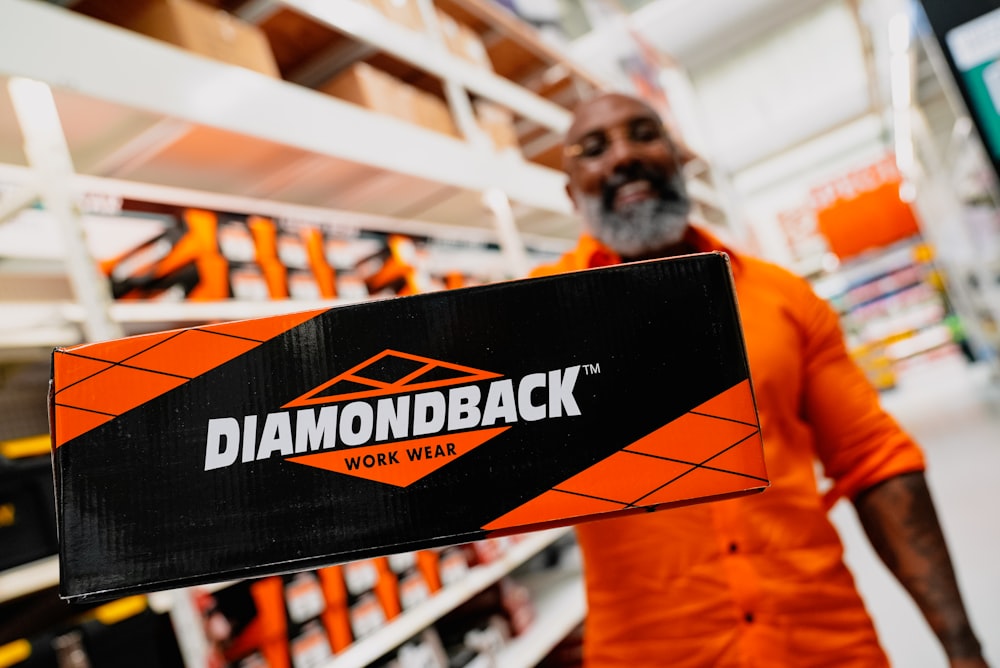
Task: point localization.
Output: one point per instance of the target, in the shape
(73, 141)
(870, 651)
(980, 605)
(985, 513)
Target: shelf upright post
(457, 95)
(495, 199)
(48, 154)
(511, 244)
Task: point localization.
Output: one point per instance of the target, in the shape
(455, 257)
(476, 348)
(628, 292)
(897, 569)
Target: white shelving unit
(276, 149)
(282, 149)
(179, 129)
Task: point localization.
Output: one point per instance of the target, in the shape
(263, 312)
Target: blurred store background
(166, 163)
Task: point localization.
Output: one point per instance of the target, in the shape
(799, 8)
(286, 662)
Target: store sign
(862, 210)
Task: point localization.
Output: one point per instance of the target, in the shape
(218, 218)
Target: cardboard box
(433, 113)
(498, 124)
(463, 41)
(370, 87)
(292, 442)
(381, 92)
(192, 25)
(403, 12)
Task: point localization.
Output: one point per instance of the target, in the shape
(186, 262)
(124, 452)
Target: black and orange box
(293, 442)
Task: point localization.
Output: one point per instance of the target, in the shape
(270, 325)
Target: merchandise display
(893, 307)
(179, 241)
(303, 409)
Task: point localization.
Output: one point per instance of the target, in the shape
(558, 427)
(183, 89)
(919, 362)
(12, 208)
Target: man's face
(625, 177)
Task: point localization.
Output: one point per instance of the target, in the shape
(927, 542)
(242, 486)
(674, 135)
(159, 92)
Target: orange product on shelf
(397, 271)
(387, 588)
(326, 277)
(268, 631)
(428, 562)
(187, 257)
(265, 239)
(335, 618)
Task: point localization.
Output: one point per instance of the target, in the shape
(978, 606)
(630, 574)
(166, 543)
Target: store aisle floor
(953, 409)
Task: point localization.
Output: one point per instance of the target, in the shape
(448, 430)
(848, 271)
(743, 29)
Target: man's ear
(569, 193)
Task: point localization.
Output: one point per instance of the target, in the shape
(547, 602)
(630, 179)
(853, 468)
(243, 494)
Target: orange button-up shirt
(760, 580)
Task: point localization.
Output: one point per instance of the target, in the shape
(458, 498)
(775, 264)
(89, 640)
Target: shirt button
(748, 618)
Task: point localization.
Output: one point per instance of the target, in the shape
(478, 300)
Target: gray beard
(639, 229)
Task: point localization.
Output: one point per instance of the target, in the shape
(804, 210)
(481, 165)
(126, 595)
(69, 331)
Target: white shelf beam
(348, 221)
(29, 578)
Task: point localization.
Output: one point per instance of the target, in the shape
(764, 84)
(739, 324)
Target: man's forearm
(901, 522)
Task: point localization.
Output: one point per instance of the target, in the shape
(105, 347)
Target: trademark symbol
(591, 369)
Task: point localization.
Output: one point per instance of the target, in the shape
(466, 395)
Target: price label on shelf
(413, 590)
(304, 597)
(360, 576)
(367, 616)
(404, 561)
(453, 566)
(310, 649)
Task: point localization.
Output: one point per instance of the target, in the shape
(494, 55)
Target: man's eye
(644, 131)
(593, 145)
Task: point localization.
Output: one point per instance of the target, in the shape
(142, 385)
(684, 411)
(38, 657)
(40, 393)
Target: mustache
(665, 186)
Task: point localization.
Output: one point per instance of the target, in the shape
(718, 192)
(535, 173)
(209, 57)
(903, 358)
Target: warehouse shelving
(177, 120)
(289, 158)
(179, 129)
(140, 135)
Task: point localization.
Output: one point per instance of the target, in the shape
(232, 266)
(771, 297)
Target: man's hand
(899, 517)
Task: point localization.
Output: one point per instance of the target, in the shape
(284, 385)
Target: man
(756, 581)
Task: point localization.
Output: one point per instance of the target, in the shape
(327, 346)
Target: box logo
(394, 418)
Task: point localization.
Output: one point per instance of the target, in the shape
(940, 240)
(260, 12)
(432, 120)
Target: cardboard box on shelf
(463, 41)
(192, 25)
(403, 12)
(291, 442)
(433, 113)
(372, 88)
(498, 124)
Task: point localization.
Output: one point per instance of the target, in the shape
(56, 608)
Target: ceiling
(766, 76)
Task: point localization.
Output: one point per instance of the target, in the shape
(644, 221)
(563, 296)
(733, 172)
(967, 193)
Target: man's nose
(620, 153)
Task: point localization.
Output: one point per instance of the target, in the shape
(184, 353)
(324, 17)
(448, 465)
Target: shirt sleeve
(858, 443)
